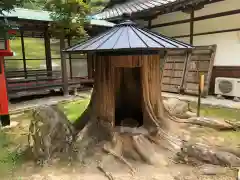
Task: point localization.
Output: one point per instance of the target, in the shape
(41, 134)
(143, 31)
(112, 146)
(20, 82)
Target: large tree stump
(125, 118)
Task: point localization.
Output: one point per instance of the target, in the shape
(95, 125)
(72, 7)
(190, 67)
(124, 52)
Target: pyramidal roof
(127, 36)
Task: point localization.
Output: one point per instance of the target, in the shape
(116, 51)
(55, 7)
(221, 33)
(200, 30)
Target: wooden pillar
(70, 58)
(90, 65)
(191, 26)
(23, 54)
(149, 24)
(64, 67)
(48, 52)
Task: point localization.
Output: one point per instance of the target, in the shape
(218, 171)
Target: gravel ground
(210, 100)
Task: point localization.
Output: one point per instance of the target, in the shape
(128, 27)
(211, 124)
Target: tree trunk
(126, 95)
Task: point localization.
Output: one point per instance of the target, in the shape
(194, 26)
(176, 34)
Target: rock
(176, 106)
(220, 96)
(236, 99)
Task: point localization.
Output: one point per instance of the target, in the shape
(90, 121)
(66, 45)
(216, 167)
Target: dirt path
(209, 100)
(25, 105)
(144, 172)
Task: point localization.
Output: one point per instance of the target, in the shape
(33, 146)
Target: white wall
(170, 17)
(222, 6)
(228, 43)
(174, 30)
(228, 47)
(217, 24)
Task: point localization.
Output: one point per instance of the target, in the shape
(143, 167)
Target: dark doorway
(128, 98)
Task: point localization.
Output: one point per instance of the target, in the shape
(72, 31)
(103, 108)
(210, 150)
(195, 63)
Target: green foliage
(69, 16)
(33, 4)
(7, 5)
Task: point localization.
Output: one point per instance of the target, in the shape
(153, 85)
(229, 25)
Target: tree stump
(126, 88)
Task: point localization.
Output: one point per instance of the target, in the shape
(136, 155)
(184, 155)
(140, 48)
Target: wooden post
(48, 52)
(90, 65)
(200, 89)
(70, 58)
(192, 26)
(23, 54)
(149, 24)
(64, 67)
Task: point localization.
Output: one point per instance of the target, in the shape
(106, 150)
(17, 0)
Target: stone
(236, 99)
(219, 96)
(176, 106)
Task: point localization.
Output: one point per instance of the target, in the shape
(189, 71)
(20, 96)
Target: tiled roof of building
(40, 15)
(132, 6)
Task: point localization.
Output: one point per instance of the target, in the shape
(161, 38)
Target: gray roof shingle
(132, 6)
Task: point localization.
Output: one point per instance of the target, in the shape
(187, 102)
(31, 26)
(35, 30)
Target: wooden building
(198, 22)
(25, 80)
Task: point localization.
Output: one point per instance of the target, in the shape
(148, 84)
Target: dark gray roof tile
(132, 6)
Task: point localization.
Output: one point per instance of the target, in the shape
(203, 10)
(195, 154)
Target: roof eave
(132, 50)
(163, 9)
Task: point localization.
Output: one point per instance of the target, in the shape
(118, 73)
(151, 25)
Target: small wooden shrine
(128, 62)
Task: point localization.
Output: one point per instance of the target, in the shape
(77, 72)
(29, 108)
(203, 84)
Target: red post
(4, 51)
(4, 113)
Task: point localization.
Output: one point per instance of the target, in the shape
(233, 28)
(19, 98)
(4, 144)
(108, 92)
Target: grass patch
(218, 112)
(34, 53)
(9, 159)
(224, 138)
(74, 109)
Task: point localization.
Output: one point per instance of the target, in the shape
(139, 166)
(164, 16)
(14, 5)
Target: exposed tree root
(107, 174)
(121, 158)
(210, 155)
(46, 141)
(212, 123)
(176, 109)
(233, 150)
